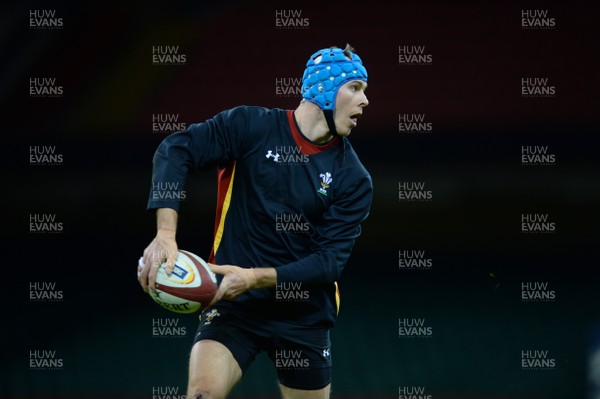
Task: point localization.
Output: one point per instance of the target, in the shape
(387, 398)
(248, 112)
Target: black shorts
(301, 355)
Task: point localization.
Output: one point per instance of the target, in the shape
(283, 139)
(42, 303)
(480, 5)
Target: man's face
(349, 105)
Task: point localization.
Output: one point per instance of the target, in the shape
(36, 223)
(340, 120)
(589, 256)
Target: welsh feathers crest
(325, 181)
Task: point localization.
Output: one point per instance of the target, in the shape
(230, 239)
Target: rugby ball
(190, 287)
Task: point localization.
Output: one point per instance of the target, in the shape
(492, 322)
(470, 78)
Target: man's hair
(348, 50)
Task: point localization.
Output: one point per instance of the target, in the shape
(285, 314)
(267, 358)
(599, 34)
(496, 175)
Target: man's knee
(213, 371)
(203, 393)
(290, 393)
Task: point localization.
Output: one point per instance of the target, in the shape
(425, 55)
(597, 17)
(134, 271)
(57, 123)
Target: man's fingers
(144, 280)
(151, 262)
(170, 264)
(161, 250)
(217, 269)
(212, 267)
(152, 276)
(217, 298)
(221, 288)
(146, 262)
(143, 274)
(140, 267)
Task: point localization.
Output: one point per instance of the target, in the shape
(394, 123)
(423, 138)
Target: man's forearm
(266, 277)
(166, 222)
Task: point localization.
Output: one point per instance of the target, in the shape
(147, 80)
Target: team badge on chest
(325, 182)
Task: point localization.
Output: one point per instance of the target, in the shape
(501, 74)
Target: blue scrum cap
(326, 71)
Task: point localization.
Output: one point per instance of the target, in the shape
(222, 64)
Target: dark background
(471, 296)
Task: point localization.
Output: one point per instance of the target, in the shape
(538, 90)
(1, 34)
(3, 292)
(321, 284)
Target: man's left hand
(236, 281)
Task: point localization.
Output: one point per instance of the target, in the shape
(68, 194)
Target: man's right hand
(162, 249)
